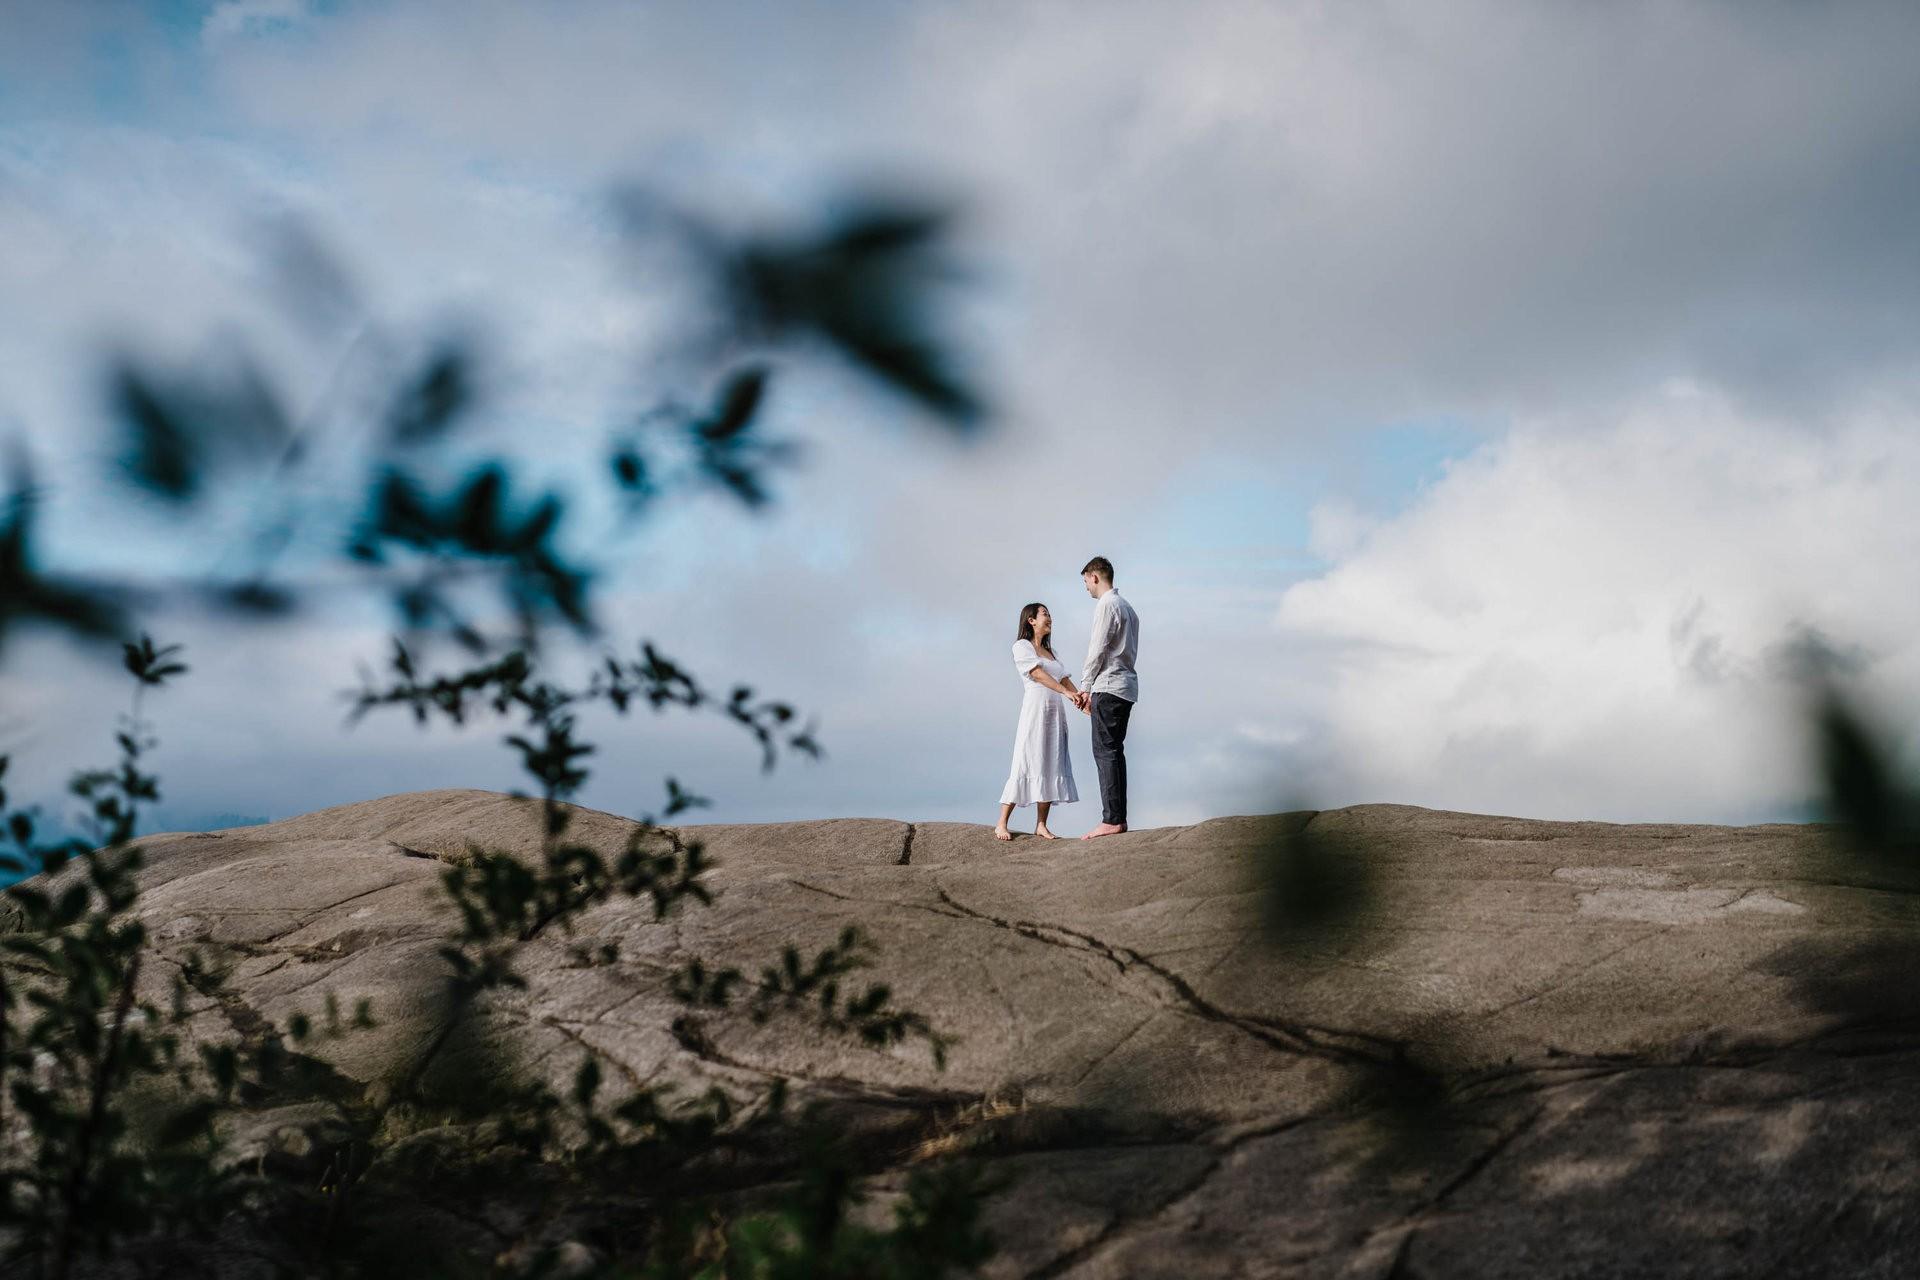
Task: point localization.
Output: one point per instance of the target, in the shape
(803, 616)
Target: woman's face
(1042, 622)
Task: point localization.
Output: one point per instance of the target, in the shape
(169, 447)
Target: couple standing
(1042, 773)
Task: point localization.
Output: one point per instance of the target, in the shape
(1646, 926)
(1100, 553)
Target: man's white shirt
(1116, 641)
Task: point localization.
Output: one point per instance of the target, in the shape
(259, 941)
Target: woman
(1042, 774)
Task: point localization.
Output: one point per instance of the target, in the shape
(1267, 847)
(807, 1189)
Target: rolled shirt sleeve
(1104, 619)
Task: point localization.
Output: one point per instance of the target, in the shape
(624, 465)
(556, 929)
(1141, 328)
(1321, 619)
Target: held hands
(1083, 700)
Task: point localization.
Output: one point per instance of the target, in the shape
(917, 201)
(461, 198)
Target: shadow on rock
(1312, 889)
(1858, 980)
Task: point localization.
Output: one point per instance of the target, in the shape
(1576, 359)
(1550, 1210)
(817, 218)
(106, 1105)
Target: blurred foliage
(108, 1119)
(863, 285)
(935, 1228)
(119, 1124)
(504, 903)
(795, 985)
(433, 520)
(860, 286)
(28, 593)
(1863, 790)
(120, 1114)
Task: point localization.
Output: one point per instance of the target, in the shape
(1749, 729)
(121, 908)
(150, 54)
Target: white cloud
(1236, 231)
(1258, 216)
(231, 19)
(1590, 618)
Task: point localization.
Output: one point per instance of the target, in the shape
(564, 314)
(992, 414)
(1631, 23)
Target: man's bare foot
(1105, 829)
(1001, 833)
(1045, 834)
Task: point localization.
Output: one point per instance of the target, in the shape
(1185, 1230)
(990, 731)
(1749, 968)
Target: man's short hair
(1102, 566)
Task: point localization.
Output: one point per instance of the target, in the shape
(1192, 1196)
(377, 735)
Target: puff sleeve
(1024, 657)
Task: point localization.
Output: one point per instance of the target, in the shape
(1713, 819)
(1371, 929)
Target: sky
(1478, 401)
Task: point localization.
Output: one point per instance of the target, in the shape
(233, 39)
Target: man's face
(1093, 584)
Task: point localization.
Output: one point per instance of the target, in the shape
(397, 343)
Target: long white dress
(1041, 769)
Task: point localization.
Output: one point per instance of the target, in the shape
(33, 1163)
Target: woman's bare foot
(1105, 829)
(1001, 833)
(1044, 834)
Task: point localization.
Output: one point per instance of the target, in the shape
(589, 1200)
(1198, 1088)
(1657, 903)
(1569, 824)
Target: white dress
(1041, 769)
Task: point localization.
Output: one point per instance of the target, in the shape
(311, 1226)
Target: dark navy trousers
(1110, 715)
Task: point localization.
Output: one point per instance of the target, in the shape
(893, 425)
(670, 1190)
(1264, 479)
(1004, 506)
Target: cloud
(230, 19)
(1261, 217)
(1212, 251)
(1590, 618)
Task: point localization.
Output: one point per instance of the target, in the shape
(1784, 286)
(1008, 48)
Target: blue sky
(1475, 399)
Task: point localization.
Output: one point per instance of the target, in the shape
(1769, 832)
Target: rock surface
(1542, 1048)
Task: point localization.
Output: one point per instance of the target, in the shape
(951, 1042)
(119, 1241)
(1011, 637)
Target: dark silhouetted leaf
(863, 287)
(1860, 783)
(432, 402)
(476, 520)
(149, 665)
(630, 469)
(1862, 791)
(166, 454)
(259, 598)
(739, 401)
(24, 593)
(879, 229)
(180, 431)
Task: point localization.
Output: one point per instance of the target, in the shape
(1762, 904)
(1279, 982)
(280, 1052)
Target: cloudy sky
(1476, 399)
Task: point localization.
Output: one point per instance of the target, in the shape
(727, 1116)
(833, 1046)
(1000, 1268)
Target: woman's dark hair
(1026, 626)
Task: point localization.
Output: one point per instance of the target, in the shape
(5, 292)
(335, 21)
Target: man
(1108, 690)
